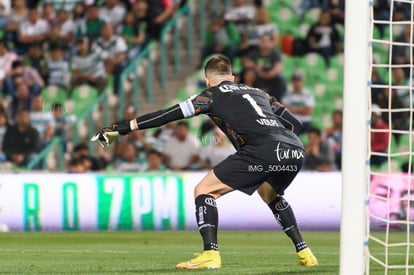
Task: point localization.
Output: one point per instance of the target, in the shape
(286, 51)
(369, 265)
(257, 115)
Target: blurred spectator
(375, 80)
(319, 156)
(140, 9)
(87, 163)
(110, 43)
(19, 13)
(163, 134)
(76, 166)
(323, 37)
(29, 76)
(62, 123)
(142, 144)
(112, 12)
(91, 163)
(396, 118)
(90, 26)
(42, 120)
(240, 14)
(379, 136)
(3, 128)
(88, 66)
(333, 136)
(58, 69)
(36, 59)
(130, 112)
(32, 30)
(67, 26)
(5, 10)
(247, 76)
(260, 26)
(218, 150)
(399, 81)
(300, 101)
(133, 32)
(401, 54)
(158, 13)
(260, 9)
(53, 37)
(182, 149)
(22, 100)
(114, 51)
(155, 161)
(337, 10)
(267, 62)
(78, 17)
(21, 140)
(128, 160)
(6, 59)
(222, 37)
(141, 141)
(48, 13)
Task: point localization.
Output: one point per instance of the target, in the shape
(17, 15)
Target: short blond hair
(218, 65)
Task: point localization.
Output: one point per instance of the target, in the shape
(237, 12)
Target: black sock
(286, 218)
(207, 220)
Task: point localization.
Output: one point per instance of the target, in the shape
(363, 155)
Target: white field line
(22, 251)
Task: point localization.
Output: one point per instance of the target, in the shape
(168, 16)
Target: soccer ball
(4, 227)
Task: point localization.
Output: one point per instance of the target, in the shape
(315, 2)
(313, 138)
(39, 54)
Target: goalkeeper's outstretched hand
(109, 134)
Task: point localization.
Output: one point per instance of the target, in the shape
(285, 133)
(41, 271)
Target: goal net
(377, 221)
(390, 188)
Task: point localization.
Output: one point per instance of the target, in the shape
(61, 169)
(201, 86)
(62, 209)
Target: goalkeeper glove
(109, 134)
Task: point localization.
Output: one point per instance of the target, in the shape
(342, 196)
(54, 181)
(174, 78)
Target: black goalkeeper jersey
(245, 114)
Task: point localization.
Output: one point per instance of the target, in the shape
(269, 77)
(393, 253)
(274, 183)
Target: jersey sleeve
(287, 118)
(197, 104)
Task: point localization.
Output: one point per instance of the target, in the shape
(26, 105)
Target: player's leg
(206, 192)
(283, 213)
(285, 216)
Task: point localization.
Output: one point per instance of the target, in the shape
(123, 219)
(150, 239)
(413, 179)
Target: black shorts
(277, 163)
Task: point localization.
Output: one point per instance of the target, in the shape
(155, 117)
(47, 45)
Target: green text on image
(126, 202)
(147, 203)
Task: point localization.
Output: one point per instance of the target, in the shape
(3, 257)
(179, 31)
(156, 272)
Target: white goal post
(377, 223)
(355, 138)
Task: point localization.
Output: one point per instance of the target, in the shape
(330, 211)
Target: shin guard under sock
(286, 218)
(207, 220)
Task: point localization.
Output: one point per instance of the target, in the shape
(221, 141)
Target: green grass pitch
(144, 252)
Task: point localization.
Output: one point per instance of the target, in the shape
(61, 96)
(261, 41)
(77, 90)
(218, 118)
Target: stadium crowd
(64, 44)
(86, 42)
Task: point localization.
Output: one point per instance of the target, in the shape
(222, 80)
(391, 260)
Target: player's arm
(287, 118)
(193, 106)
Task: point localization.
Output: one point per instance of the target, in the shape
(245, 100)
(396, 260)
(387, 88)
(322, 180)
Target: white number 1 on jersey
(253, 102)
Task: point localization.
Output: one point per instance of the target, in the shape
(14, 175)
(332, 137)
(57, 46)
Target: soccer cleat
(207, 259)
(306, 258)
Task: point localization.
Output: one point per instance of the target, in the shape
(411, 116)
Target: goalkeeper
(269, 154)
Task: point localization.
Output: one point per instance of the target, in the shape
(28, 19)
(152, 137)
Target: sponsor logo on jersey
(267, 122)
(228, 88)
(210, 201)
(282, 153)
(281, 205)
